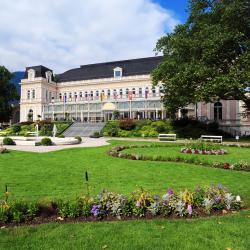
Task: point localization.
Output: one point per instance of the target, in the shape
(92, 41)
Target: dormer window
(49, 76)
(31, 74)
(118, 72)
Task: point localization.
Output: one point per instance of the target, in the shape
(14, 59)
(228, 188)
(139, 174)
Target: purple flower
(96, 210)
(170, 191)
(217, 199)
(189, 209)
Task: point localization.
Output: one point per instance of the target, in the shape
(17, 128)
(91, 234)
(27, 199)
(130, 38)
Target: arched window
(218, 111)
(114, 94)
(91, 95)
(80, 95)
(86, 95)
(127, 90)
(108, 93)
(133, 91)
(153, 91)
(60, 96)
(75, 96)
(28, 94)
(161, 89)
(70, 95)
(97, 93)
(140, 92)
(30, 115)
(121, 93)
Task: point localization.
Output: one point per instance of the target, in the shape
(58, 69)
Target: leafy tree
(8, 93)
(208, 57)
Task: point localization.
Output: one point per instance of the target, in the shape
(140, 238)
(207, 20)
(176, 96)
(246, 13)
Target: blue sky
(179, 7)
(66, 34)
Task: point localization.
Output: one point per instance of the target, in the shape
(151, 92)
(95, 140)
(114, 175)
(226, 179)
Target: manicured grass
(60, 174)
(206, 233)
(234, 155)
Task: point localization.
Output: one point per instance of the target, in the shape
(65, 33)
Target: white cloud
(63, 34)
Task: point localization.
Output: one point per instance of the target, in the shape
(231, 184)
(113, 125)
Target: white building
(92, 92)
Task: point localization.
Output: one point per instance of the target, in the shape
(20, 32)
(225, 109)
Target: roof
(140, 66)
(40, 71)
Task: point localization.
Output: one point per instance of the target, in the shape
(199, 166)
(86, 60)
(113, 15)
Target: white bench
(167, 137)
(217, 138)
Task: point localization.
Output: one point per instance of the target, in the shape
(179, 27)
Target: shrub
(8, 141)
(79, 138)
(212, 126)
(61, 136)
(160, 126)
(127, 124)
(96, 135)
(46, 142)
(16, 128)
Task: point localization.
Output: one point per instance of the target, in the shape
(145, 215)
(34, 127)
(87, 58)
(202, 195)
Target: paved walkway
(87, 142)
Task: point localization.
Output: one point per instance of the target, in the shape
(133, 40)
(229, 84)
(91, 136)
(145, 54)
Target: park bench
(167, 137)
(216, 138)
(31, 133)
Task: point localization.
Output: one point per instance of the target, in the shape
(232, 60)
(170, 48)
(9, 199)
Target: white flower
(238, 199)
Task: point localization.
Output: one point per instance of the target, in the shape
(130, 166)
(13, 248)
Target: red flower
(226, 165)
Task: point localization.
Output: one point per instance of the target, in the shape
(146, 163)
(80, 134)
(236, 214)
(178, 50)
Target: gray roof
(40, 71)
(131, 67)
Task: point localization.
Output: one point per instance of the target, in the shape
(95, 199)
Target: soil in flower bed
(44, 220)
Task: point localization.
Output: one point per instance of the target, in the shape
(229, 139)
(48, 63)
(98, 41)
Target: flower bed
(203, 152)
(117, 152)
(110, 205)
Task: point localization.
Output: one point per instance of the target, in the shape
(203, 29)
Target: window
(140, 92)
(86, 95)
(218, 111)
(121, 93)
(80, 95)
(46, 95)
(97, 94)
(60, 96)
(114, 94)
(108, 93)
(127, 90)
(70, 95)
(133, 91)
(118, 72)
(75, 96)
(31, 74)
(161, 89)
(153, 91)
(91, 95)
(28, 94)
(33, 94)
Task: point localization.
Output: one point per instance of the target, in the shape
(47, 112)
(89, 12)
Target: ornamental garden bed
(203, 151)
(113, 206)
(240, 165)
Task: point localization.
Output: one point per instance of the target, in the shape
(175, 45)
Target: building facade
(91, 93)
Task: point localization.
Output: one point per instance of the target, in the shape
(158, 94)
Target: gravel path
(87, 142)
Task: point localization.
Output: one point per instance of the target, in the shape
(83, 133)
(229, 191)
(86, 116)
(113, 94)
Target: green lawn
(61, 175)
(216, 233)
(234, 155)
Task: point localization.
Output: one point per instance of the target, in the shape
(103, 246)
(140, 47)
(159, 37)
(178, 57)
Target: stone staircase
(83, 129)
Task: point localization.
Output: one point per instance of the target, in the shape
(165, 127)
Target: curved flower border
(117, 152)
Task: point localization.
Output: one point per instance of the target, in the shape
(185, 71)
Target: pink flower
(189, 209)
(138, 204)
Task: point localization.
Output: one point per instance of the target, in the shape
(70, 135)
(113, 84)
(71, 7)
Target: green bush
(160, 126)
(96, 135)
(16, 128)
(61, 136)
(46, 142)
(8, 141)
(79, 138)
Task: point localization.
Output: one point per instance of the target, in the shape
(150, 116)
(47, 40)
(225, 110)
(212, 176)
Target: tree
(8, 93)
(208, 57)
